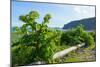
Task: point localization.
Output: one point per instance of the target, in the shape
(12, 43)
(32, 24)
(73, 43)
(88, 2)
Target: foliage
(37, 42)
(76, 36)
(22, 55)
(36, 35)
(73, 36)
(93, 34)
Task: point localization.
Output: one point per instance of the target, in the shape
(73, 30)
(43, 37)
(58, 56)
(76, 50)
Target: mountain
(89, 23)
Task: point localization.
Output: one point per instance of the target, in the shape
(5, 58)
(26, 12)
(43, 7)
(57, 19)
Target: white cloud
(77, 9)
(81, 9)
(88, 11)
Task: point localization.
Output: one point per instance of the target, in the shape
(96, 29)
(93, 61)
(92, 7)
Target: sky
(61, 14)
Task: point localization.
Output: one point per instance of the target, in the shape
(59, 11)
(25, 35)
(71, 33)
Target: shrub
(77, 35)
(89, 41)
(93, 34)
(22, 55)
(72, 36)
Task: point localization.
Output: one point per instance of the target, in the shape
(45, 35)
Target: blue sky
(61, 14)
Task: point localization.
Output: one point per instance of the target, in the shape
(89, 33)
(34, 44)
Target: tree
(36, 35)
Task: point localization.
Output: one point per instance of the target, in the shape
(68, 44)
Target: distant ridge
(89, 23)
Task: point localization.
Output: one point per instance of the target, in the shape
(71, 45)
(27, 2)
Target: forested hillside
(89, 23)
